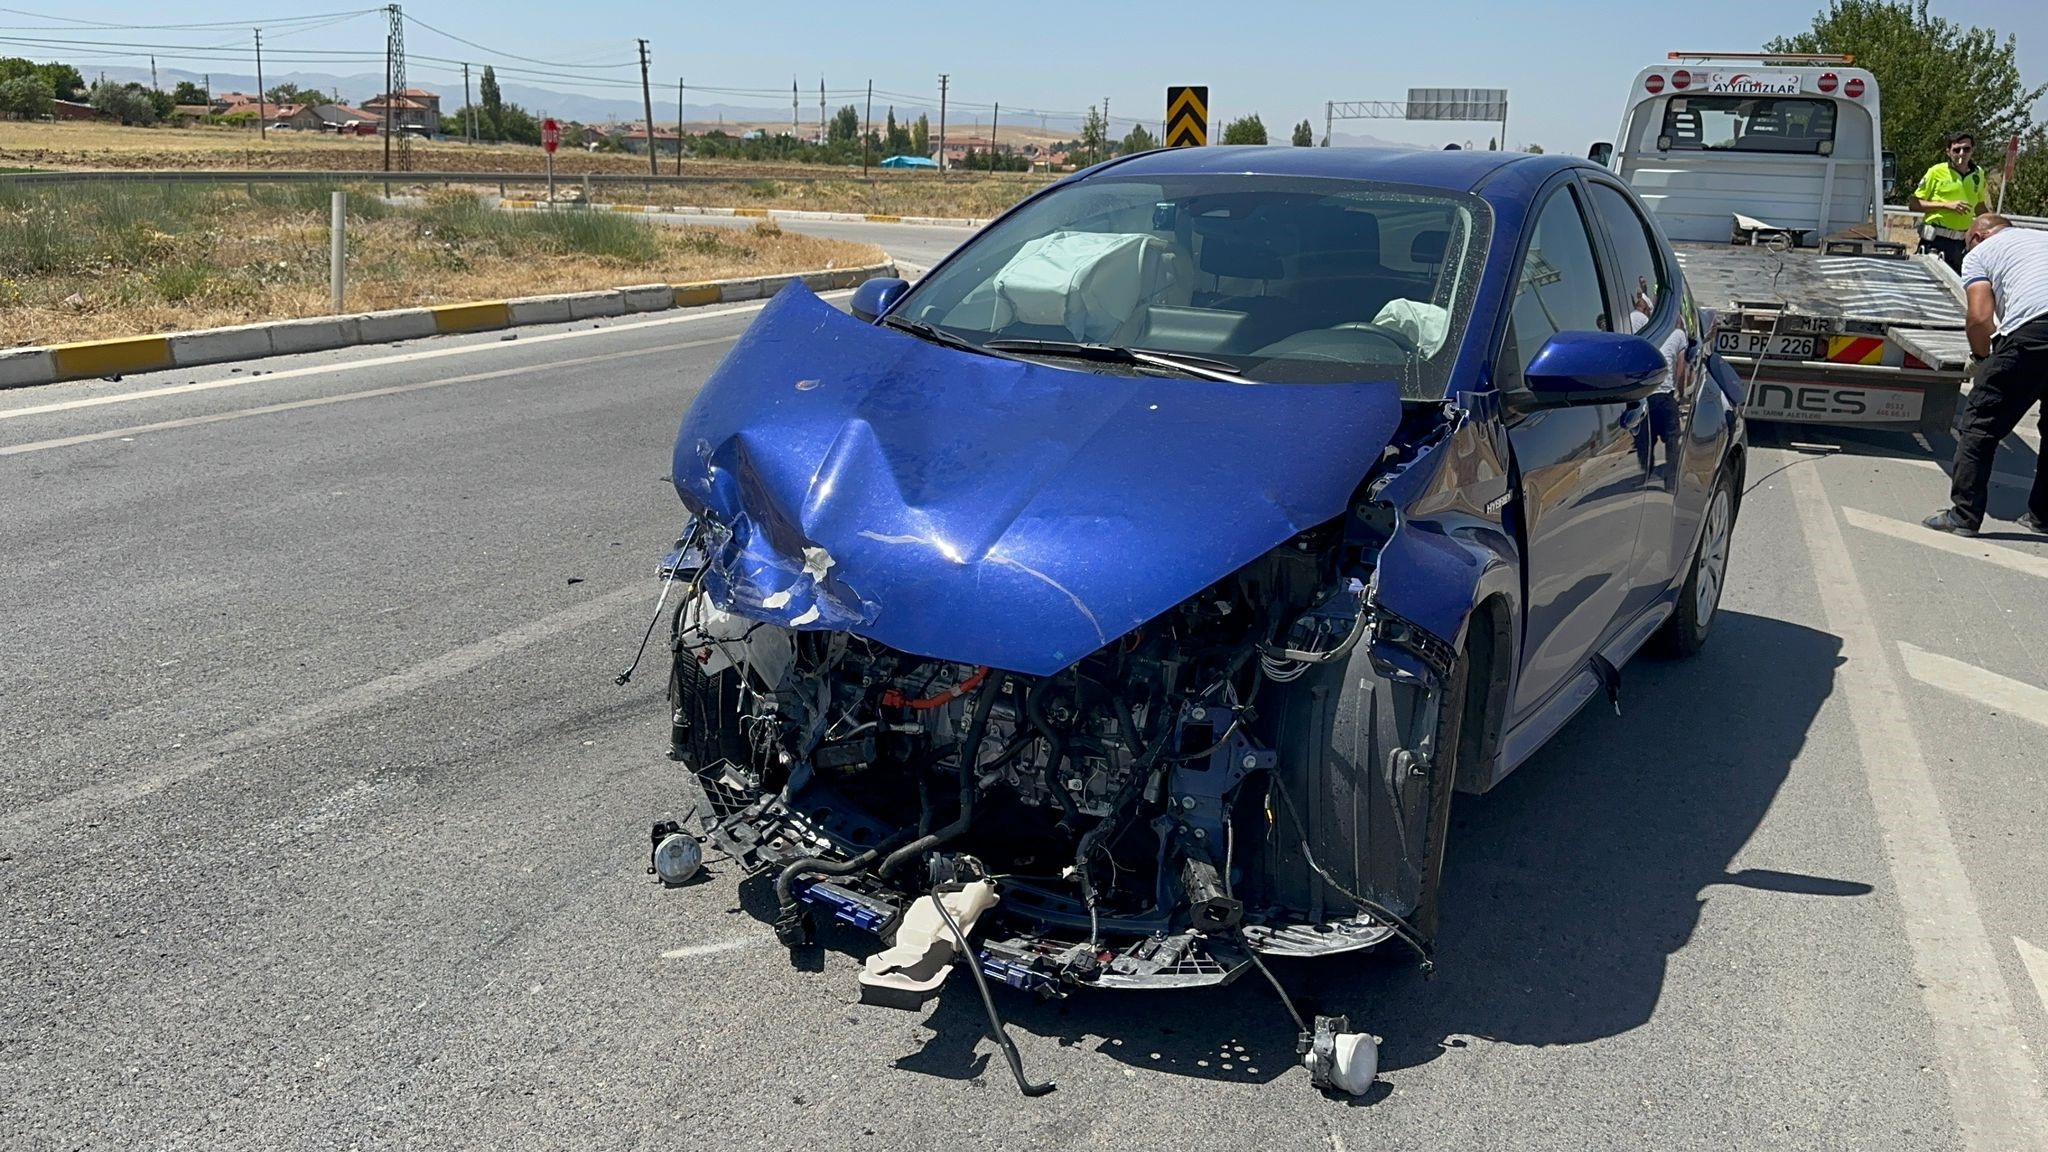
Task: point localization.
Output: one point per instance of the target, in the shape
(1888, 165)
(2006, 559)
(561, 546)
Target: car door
(1646, 276)
(1581, 477)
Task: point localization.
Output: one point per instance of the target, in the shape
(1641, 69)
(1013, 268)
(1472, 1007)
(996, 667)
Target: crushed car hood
(989, 511)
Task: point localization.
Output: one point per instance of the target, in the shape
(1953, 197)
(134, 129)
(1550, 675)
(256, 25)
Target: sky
(1567, 70)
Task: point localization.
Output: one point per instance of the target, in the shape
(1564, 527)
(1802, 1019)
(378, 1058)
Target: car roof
(1455, 171)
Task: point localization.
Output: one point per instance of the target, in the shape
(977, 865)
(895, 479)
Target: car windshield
(1268, 279)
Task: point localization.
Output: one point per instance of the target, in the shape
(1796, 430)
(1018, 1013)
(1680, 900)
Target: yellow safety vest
(1942, 184)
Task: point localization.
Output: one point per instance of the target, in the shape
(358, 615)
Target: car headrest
(1224, 255)
(1428, 247)
(1339, 241)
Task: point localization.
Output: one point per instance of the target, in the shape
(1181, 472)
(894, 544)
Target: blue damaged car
(1135, 589)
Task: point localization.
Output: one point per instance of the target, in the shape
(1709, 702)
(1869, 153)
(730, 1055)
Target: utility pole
(821, 111)
(152, 75)
(795, 129)
(679, 125)
(394, 88)
(994, 122)
(208, 77)
(944, 80)
(389, 112)
(468, 109)
(647, 103)
(867, 131)
(1107, 132)
(262, 129)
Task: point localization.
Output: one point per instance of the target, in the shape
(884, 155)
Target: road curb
(518, 205)
(27, 367)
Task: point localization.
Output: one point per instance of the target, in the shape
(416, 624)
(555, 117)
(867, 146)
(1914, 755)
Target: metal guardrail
(273, 176)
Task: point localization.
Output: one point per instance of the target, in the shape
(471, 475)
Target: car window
(1747, 124)
(1636, 254)
(1560, 288)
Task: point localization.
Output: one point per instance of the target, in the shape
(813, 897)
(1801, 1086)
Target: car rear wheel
(1700, 600)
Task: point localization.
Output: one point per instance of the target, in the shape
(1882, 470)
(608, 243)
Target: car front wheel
(1700, 600)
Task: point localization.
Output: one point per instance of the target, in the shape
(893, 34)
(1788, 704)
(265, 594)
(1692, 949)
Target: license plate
(1776, 346)
(1833, 403)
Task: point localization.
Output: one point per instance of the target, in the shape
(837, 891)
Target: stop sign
(550, 134)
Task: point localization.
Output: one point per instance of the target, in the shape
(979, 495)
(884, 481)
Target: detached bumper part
(910, 971)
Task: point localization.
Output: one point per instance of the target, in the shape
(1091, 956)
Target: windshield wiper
(938, 335)
(1117, 354)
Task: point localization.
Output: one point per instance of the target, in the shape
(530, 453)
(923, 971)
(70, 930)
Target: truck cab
(1768, 172)
(1709, 139)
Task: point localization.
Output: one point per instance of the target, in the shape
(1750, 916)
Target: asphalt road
(323, 825)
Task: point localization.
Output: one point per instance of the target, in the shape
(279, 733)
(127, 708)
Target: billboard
(1457, 103)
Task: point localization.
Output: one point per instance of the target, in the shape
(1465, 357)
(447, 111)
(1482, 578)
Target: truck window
(1748, 124)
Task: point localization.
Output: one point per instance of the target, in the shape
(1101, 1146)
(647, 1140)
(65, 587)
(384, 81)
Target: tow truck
(1767, 172)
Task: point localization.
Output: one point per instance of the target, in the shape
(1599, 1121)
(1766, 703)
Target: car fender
(1451, 548)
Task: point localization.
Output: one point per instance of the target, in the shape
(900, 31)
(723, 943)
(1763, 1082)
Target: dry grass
(89, 262)
(926, 194)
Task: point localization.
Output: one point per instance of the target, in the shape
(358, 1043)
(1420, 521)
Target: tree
(2028, 195)
(845, 127)
(895, 137)
(1937, 76)
(64, 80)
(128, 103)
(517, 125)
(492, 107)
(1138, 140)
(189, 93)
(1304, 135)
(1245, 130)
(292, 94)
(921, 135)
(1534, 149)
(28, 97)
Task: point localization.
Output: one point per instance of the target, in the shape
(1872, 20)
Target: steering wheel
(1394, 336)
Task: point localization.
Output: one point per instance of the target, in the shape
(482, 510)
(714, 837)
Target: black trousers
(2011, 380)
(1949, 250)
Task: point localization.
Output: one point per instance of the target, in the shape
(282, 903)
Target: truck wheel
(1700, 600)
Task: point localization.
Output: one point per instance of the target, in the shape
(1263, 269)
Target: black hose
(785, 881)
(996, 1030)
(1034, 710)
(976, 730)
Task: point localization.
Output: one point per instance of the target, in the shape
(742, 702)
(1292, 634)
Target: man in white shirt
(2006, 277)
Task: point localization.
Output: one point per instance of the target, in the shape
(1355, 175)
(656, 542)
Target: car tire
(1706, 577)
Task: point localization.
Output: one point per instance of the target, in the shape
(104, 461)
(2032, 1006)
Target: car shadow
(1567, 888)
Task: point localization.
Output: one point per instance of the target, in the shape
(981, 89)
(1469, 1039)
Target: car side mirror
(877, 296)
(1891, 169)
(1600, 153)
(1594, 368)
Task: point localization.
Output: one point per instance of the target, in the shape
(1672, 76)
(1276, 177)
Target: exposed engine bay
(1133, 811)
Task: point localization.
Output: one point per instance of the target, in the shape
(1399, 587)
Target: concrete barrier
(648, 297)
(26, 367)
(397, 324)
(540, 310)
(20, 367)
(215, 345)
(111, 357)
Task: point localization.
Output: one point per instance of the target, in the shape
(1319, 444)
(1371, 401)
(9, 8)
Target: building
(334, 118)
(666, 140)
(414, 108)
(75, 110)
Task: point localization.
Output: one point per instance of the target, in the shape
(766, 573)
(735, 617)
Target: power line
(75, 22)
(511, 55)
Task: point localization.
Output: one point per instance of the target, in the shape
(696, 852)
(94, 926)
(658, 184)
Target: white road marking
(134, 430)
(2012, 697)
(18, 828)
(688, 951)
(2035, 961)
(1975, 549)
(688, 317)
(2009, 479)
(1994, 1087)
